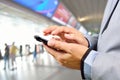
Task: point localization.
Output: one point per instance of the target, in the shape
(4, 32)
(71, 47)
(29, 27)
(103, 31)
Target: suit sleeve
(107, 67)
(92, 41)
(101, 65)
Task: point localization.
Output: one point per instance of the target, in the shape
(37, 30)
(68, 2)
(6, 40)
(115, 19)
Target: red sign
(62, 14)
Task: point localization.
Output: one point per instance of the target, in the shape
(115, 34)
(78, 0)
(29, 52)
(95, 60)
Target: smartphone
(41, 39)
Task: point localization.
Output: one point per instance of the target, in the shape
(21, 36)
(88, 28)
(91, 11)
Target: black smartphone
(40, 39)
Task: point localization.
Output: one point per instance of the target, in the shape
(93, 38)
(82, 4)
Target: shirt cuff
(86, 63)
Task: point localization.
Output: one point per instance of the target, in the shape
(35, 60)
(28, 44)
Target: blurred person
(40, 51)
(20, 52)
(35, 53)
(1, 55)
(98, 58)
(27, 49)
(41, 48)
(38, 48)
(6, 56)
(13, 51)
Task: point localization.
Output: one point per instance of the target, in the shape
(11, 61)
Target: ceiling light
(85, 18)
(82, 19)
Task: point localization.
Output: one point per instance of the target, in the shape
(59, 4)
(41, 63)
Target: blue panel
(44, 7)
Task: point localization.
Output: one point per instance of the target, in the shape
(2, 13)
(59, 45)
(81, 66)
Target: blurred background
(20, 20)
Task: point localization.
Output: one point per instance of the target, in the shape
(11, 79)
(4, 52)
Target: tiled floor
(45, 68)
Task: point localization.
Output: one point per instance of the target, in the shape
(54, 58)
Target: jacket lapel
(108, 10)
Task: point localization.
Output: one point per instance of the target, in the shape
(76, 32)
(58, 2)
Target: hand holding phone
(44, 40)
(41, 39)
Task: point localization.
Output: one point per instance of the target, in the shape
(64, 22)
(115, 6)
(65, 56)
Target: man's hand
(67, 34)
(63, 58)
(67, 54)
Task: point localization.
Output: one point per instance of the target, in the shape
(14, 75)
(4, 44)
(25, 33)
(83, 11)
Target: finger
(60, 45)
(49, 29)
(75, 49)
(56, 54)
(73, 38)
(50, 50)
(76, 38)
(61, 31)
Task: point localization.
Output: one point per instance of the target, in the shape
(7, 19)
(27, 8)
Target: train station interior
(20, 20)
